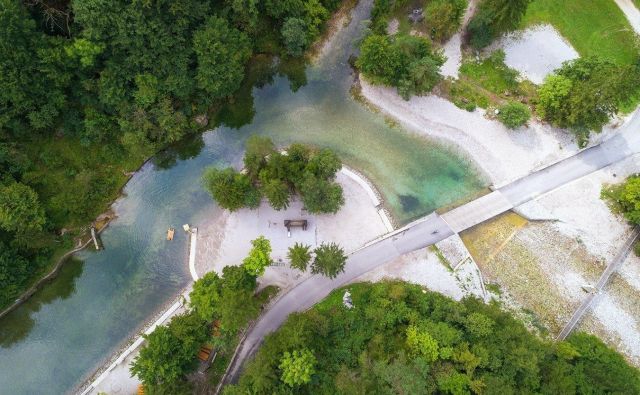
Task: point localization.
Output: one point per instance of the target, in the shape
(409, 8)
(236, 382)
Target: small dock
(94, 237)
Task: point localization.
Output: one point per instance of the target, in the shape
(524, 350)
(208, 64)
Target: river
(63, 333)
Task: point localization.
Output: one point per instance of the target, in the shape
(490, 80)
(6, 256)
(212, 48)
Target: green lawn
(592, 26)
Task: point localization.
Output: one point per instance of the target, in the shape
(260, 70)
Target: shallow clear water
(64, 332)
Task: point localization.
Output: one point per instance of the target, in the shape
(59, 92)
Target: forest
(398, 338)
(89, 90)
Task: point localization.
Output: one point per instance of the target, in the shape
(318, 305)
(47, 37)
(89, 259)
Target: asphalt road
(433, 228)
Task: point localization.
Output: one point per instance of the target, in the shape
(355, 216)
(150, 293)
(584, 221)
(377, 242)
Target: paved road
(604, 278)
(434, 228)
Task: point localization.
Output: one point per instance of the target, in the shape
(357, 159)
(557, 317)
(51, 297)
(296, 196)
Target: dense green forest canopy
(89, 89)
(401, 339)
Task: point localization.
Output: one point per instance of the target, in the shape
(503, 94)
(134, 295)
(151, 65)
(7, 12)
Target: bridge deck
(477, 211)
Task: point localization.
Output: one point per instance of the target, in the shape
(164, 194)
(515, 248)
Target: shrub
(625, 198)
(514, 114)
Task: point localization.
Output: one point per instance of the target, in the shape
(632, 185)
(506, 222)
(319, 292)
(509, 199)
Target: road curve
(433, 228)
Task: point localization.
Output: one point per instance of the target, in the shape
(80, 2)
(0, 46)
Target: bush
(514, 114)
(625, 198)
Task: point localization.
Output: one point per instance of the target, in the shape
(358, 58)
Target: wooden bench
(301, 223)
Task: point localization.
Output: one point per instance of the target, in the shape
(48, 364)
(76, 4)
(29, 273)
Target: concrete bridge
(434, 228)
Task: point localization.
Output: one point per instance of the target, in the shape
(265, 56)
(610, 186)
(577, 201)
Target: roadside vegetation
(277, 175)
(219, 311)
(89, 90)
(328, 259)
(220, 307)
(585, 93)
(624, 198)
(399, 338)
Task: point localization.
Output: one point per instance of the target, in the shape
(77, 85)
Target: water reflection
(17, 324)
(240, 110)
(187, 148)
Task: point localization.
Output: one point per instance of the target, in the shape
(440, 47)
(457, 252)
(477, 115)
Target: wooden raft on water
(170, 233)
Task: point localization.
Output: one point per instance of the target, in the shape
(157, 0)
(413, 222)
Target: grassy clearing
(76, 183)
(486, 83)
(594, 27)
(491, 74)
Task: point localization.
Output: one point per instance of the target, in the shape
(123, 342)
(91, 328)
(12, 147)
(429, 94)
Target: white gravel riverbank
(502, 154)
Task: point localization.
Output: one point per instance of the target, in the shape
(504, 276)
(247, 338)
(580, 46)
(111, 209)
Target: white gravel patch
(535, 52)
(621, 324)
(630, 271)
(423, 267)
(453, 48)
(582, 214)
(392, 27)
(453, 51)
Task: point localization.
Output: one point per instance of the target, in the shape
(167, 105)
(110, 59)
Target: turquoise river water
(60, 336)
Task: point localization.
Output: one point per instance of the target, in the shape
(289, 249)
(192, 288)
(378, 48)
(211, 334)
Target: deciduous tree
(20, 209)
(259, 257)
(232, 190)
(222, 52)
(297, 367)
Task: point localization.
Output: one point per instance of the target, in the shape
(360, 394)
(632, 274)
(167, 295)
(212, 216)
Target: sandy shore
(225, 239)
(502, 154)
